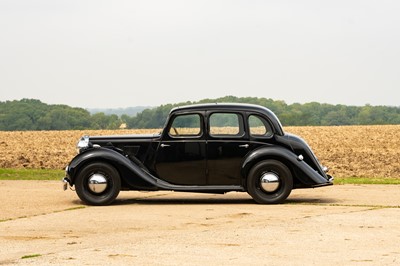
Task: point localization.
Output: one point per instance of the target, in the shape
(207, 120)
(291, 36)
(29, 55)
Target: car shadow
(311, 201)
(182, 201)
(225, 201)
(220, 199)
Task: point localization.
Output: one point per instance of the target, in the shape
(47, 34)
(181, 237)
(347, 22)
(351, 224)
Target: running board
(213, 188)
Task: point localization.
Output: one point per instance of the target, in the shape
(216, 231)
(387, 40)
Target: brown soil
(338, 225)
(357, 151)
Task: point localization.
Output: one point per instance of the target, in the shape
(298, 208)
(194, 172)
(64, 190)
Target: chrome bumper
(65, 181)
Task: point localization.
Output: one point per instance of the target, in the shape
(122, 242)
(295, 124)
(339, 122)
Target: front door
(181, 155)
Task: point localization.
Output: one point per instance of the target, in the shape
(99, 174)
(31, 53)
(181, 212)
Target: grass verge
(30, 174)
(366, 181)
(47, 174)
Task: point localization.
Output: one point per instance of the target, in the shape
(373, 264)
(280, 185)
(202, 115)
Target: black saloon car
(213, 148)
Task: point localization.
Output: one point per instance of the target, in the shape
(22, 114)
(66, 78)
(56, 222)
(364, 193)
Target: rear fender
(300, 169)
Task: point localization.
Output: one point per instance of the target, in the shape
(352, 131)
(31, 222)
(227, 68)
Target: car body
(211, 148)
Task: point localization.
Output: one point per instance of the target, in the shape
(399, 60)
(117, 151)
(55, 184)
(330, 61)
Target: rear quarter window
(259, 127)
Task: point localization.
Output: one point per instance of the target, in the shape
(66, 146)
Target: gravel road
(338, 225)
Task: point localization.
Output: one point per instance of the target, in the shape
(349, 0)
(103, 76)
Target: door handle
(164, 145)
(244, 146)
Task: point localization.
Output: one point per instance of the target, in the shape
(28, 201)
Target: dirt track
(342, 225)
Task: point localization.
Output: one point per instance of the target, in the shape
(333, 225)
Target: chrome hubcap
(97, 183)
(269, 182)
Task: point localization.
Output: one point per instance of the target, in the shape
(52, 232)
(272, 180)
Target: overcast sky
(128, 53)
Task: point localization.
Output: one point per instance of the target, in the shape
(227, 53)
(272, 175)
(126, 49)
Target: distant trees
(309, 114)
(62, 117)
(31, 114)
(150, 118)
(103, 121)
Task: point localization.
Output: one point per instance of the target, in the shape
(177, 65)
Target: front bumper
(65, 182)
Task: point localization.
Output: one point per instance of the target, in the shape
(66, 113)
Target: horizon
(194, 102)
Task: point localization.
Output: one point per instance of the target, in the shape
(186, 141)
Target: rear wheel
(98, 184)
(269, 182)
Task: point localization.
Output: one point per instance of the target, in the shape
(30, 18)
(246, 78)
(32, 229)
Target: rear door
(227, 145)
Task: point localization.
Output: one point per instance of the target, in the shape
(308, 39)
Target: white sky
(128, 53)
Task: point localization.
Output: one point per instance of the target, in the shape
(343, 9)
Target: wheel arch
(249, 165)
(303, 175)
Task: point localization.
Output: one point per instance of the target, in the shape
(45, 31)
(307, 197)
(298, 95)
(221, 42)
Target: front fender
(304, 173)
(129, 171)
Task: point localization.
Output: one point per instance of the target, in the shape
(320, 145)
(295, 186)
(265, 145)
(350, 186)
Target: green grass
(46, 174)
(366, 181)
(31, 256)
(30, 174)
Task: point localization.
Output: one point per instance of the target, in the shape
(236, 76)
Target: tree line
(31, 114)
(308, 114)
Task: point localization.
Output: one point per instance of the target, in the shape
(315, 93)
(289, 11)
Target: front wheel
(269, 182)
(98, 184)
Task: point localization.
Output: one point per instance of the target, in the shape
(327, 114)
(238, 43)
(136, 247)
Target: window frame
(186, 136)
(242, 125)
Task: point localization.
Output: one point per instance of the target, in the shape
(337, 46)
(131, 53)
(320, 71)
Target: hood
(123, 138)
(119, 141)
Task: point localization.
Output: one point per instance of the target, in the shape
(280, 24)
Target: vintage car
(212, 148)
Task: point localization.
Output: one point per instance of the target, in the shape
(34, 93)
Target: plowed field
(356, 151)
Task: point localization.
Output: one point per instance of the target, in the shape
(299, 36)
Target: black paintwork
(202, 163)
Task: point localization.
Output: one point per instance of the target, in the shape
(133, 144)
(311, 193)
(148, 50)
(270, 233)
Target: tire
(275, 191)
(105, 194)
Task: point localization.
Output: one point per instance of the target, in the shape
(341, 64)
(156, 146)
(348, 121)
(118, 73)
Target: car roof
(223, 106)
(234, 107)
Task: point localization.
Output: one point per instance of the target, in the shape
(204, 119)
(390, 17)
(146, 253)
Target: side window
(186, 125)
(226, 124)
(259, 127)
